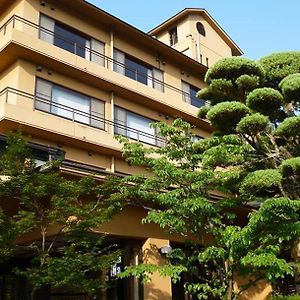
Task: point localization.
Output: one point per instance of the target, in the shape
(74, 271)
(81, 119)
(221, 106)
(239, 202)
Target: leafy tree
(279, 65)
(233, 197)
(52, 219)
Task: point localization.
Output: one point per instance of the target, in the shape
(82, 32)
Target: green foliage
(295, 297)
(290, 167)
(231, 79)
(232, 197)
(260, 182)
(232, 68)
(42, 202)
(225, 116)
(203, 112)
(253, 124)
(290, 86)
(290, 127)
(265, 100)
(279, 65)
(248, 82)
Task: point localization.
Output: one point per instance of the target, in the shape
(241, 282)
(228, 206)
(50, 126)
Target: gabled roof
(236, 50)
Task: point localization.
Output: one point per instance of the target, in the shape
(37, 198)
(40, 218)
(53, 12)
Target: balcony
(25, 34)
(20, 108)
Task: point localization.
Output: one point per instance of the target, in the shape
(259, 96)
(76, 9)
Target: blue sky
(259, 27)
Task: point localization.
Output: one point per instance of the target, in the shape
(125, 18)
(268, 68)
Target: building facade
(72, 76)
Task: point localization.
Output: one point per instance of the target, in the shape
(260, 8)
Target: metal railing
(93, 119)
(15, 20)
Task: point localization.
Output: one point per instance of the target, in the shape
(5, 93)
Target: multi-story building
(72, 76)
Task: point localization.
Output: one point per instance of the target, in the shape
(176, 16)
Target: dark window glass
(173, 36)
(69, 40)
(136, 71)
(200, 28)
(194, 100)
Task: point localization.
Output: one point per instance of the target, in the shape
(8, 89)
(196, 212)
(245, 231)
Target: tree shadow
(260, 291)
(151, 292)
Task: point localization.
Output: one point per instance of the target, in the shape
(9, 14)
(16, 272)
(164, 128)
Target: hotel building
(72, 76)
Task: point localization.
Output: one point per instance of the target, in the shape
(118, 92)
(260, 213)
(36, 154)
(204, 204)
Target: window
(137, 70)
(207, 62)
(40, 153)
(136, 127)
(196, 138)
(69, 104)
(200, 28)
(173, 36)
(71, 40)
(189, 93)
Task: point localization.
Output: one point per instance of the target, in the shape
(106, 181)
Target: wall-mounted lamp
(165, 250)
(182, 72)
(39, 68)
(163, 63)
(43, 3)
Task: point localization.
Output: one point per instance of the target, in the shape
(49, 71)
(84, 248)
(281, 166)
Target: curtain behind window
(70, 104)
(139, 129)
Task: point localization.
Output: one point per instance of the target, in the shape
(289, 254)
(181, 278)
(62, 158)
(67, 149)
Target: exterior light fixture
(165, 250)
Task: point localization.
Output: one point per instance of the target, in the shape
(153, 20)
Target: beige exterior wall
(211, 46)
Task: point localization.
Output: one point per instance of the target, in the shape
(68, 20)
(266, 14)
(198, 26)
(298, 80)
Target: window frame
(158, 141)
(91, 115)
(88, 51)
(121, 67)
(186, 95)
(173, 36)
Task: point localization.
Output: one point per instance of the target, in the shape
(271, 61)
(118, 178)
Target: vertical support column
(112, 167)
(159, 287)
(111, 49)
(112, 113)
(136, 287)
(112, 117)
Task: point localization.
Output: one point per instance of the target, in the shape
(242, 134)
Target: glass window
(189, 95)
(69, 40)
(200, 28)
(139, 129)
(134, 126)
(194, 100)
(173, 36)
(136, 71)
(69, 104)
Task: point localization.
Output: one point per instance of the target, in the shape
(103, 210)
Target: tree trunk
(296, 257)
(230, 283)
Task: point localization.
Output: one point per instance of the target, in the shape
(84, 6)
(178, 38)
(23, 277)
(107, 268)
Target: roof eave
(236, 50)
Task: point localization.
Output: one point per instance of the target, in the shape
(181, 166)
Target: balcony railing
(12, 96)
(19, 23)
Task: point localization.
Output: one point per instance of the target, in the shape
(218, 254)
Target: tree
(238, 190)
(51, 219)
